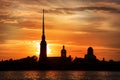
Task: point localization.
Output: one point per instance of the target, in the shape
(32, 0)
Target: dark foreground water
(59, 75)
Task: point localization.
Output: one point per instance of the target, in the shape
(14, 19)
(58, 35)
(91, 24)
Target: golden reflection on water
(59, 75)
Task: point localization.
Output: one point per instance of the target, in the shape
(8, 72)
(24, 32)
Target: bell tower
(63, 52)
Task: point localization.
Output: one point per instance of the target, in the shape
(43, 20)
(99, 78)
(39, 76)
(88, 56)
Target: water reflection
(91, 75)
(59, 75)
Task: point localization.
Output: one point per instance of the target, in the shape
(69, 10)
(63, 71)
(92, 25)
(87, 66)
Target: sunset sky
(77, 24)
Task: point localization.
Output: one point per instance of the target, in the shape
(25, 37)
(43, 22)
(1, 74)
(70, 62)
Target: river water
(59, 75)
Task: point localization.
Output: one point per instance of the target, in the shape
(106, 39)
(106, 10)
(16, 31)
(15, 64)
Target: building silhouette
(43, 44)
(63, 52)
(43, 51)
(90, 55)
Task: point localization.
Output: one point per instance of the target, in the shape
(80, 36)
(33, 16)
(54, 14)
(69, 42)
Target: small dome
(90, 48)
(90, 51)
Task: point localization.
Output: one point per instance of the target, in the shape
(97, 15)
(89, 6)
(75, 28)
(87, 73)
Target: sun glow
(48, 50)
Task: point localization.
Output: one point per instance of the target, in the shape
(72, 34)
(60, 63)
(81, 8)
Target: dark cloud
(71, 10)
(8, 31)
(67, 1)
(114, 1)
(3, 33)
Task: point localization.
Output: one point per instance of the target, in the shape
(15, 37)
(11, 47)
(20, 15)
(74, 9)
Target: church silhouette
(43, 59)
(43, 50)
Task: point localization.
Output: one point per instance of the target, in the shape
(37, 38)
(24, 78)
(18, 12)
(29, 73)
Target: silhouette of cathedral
(90, 55)
(63, 58)
(88, 58)
(43, 50)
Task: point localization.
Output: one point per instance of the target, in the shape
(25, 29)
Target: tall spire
(43, 44)
(43, 23)
(43, 31)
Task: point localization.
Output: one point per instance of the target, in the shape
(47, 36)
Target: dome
(90, 48)
(90, 51)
